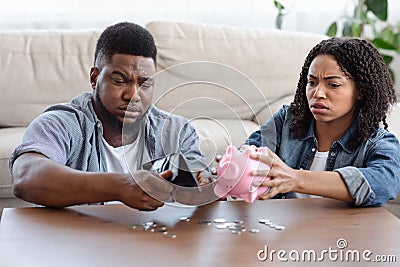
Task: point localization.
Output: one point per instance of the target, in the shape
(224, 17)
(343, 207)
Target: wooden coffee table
(105, 235)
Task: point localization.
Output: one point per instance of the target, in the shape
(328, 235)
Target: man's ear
(94, 73)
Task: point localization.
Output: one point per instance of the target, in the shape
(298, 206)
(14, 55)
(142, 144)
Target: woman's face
(330, 93)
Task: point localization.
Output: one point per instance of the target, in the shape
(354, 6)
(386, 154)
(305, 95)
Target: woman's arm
(284, 179)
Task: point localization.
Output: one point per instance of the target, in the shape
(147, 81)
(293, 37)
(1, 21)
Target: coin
(207, 222)
(170, 235)
(263, 221)
(136, 226)
(236, 232)
(184, 218)
(221, 226)
(237, 227)
(162, 229)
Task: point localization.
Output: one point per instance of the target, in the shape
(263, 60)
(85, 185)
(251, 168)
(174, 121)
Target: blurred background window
(299, 15)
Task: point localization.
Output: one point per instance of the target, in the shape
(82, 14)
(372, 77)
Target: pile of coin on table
(154, 228)
(235, 227)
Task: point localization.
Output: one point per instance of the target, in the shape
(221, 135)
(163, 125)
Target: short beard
(112, 120)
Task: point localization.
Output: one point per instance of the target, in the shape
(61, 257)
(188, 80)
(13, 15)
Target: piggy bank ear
(245, 148)
(231, 149)
(227, 156)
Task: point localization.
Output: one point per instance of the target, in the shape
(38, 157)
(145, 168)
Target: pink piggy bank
(233, 174)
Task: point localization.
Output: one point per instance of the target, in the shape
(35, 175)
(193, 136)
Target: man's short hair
(124, 38)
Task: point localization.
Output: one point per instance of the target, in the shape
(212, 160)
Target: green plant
(281, 13)
(369, 21)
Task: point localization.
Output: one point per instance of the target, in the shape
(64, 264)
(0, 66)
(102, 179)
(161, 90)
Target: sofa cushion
(216, 135)
(272, 59)
(40, 68)
(9, 139)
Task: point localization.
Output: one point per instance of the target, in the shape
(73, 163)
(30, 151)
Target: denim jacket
(371, 171)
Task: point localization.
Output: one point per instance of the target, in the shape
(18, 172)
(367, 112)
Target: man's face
(123, 88)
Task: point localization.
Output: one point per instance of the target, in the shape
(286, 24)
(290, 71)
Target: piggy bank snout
(229, 171)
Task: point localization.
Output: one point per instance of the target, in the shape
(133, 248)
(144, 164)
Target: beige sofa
(226, 80)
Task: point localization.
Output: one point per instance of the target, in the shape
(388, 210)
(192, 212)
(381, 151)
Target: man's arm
(40, 180)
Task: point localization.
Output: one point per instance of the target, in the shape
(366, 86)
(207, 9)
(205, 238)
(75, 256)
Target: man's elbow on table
(24, 170)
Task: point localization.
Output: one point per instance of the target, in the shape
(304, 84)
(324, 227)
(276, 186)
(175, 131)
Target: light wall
(302, 15)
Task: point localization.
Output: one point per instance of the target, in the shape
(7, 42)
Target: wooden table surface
(102, 236)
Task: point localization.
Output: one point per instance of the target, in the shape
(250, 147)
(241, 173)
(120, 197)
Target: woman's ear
(94, 73)
(358, 92)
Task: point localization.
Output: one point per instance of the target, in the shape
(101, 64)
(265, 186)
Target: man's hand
(204, 177)
(146, 190)
(197, 196)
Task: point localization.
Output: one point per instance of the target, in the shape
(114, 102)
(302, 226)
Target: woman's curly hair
(361, 61)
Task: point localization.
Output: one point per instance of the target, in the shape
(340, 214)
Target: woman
(329, 142)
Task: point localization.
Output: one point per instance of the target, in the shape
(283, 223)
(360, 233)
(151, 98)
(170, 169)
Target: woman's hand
(283, 179)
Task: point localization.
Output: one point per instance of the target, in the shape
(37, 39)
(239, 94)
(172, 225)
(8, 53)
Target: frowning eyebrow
(123, 75)
(149, 80)
(327, 77)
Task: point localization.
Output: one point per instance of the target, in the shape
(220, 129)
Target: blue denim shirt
(371, 171)
(71, 133)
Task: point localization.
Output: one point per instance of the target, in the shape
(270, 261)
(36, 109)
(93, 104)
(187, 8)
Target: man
(75, 153)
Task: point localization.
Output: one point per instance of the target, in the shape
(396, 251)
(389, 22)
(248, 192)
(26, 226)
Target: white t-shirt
(319, 161)
(318, 164)
(117, 158)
